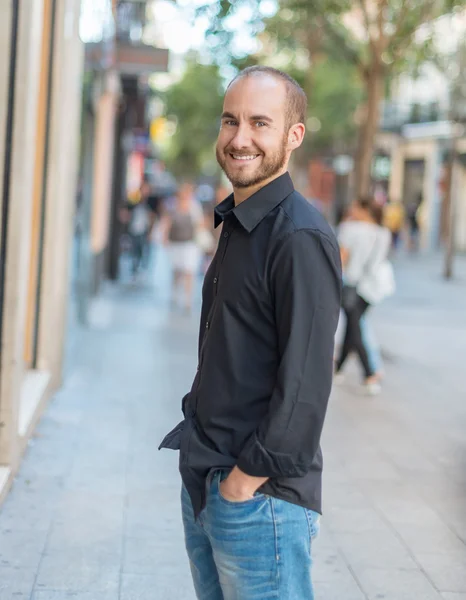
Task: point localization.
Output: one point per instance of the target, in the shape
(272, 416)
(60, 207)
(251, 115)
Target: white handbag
(380, 284)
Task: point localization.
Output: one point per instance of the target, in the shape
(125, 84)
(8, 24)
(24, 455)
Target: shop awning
(140, 59)
(128, 59)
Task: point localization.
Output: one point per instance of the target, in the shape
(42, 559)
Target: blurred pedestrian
(368, 278)
(180, 227)
(383, 280)
(250, 442)
(368, 336)
(413, 215)
(394, 219)
(139, 218)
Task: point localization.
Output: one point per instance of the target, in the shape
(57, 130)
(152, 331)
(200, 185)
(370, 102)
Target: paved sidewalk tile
(94, 513)
(60, 595)
(16, 582)
(392, 584)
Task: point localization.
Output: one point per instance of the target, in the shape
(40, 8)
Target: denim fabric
(258, 549)
(371, 344)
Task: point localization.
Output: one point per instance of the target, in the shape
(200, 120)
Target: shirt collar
(255, 208)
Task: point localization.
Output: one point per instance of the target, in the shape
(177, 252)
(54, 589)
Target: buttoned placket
(223, 246)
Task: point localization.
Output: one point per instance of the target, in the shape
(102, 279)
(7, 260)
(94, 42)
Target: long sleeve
(305, 284)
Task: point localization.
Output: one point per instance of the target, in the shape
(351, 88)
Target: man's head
(262, 123)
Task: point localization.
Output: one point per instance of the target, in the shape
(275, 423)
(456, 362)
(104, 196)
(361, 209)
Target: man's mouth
(244, 157)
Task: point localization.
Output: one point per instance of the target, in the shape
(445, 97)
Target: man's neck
(242, 194)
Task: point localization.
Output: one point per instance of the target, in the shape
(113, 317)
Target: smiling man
(249, 442)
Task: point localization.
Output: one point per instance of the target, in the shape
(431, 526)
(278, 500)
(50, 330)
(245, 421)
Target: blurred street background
(109, 112)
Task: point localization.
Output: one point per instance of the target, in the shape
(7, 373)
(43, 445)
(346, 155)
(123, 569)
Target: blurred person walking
(414, 216)
(368, 278)
(250, 454)
(180, 227)
(369, 338)
(139, 217)
(394, 216)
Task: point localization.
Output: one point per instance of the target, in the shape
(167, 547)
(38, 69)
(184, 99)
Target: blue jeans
(371, 344)
(258, 549)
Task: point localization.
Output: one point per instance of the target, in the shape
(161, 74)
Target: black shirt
(271, 301)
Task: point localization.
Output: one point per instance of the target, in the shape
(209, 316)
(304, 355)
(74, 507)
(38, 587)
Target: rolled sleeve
(305, 283)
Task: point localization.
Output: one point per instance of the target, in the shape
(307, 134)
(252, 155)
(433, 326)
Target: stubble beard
(270, 166)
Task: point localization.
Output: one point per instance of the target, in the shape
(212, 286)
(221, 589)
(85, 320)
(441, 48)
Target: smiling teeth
(236, 157)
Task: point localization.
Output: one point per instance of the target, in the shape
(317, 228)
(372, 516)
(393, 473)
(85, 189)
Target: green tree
(195, 104)
(378, 37)
(334, 93)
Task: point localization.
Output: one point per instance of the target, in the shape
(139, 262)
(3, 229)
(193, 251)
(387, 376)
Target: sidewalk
(94, 513)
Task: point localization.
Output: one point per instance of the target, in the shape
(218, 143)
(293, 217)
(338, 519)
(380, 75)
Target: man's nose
(242, 138)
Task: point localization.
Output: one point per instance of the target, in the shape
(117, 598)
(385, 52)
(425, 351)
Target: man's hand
(239, 487)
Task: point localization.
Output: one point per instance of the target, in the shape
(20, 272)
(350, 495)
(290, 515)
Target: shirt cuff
(257, 461)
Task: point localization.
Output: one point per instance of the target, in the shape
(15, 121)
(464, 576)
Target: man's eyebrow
(262, 118)
(229, 115)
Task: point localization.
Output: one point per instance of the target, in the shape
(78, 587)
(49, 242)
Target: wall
(24, 392)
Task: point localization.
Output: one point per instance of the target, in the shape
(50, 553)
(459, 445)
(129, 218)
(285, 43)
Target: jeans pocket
(313, 519)
(216, 486)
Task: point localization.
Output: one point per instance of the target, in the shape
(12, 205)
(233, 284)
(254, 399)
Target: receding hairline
(296, 98)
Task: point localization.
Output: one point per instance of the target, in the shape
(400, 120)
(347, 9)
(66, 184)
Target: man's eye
(230, 123)
(260, 124)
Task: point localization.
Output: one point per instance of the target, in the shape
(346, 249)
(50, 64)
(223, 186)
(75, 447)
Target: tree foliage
(335, 95)
(379, 38)
(195, 104)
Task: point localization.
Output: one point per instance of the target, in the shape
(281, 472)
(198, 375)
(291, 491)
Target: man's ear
(296, 136)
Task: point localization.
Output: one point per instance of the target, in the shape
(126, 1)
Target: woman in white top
(364, 250)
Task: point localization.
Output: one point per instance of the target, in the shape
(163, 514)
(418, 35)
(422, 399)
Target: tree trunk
(374, 83)
(451, 212)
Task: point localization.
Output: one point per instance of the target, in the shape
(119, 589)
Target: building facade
(40, 103)
(421, 124)
(119, 58)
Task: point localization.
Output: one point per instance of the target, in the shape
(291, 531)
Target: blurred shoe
(339, 378)
(373, 389)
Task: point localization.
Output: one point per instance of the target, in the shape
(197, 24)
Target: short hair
(296, 99)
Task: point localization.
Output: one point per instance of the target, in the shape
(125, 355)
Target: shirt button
(226, 234)
(215, 279)
(207, 325)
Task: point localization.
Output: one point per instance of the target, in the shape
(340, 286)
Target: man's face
(252, 145)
